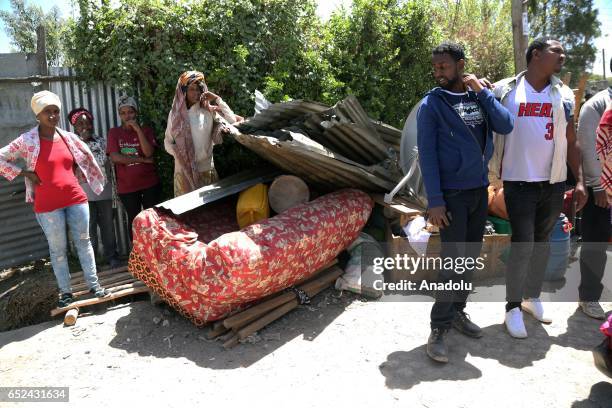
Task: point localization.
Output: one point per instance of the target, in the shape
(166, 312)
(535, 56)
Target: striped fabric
(604, 150)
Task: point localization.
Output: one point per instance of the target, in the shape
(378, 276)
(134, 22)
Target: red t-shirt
(136, 176)
(59, 187)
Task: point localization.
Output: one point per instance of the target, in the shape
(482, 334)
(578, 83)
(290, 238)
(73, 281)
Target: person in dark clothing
(131, 148)
(596, 227)
(100, 206)
(532, 164)
(455, 124)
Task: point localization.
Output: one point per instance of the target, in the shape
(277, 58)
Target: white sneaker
(534, 307)
(515, 324)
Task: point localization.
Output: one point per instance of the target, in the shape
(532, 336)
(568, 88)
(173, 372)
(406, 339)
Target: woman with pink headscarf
(194, 127)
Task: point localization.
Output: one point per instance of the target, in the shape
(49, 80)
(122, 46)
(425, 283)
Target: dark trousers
(534, 208)
(595, 236)
(461, 239)
(101, 215)
(138, 201)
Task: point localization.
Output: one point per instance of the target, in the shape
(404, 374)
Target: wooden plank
(105, 281)
(317, 287)
(95, 301)
(231, 342)
(132, 282)
(216, 330)
(241, 319)
(78, 277)
(398, 205)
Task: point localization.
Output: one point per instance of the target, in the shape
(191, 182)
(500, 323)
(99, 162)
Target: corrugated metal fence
(100, 99)
(21, 238)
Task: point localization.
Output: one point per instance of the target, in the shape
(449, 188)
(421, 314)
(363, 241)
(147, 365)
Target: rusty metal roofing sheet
(279, 114)
(326, 170)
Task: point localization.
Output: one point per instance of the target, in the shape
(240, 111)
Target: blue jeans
(54, 224)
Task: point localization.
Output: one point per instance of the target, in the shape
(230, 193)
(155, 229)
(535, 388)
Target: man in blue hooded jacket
(455, 126)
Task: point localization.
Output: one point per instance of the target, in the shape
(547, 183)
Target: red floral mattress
(206, 271)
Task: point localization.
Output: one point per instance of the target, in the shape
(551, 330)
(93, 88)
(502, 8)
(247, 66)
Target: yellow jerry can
(252, 205)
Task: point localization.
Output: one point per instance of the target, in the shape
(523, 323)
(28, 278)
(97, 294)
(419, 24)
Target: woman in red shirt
(55, 161)
(131, 149)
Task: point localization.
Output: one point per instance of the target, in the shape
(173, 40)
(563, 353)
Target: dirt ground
(339, 351)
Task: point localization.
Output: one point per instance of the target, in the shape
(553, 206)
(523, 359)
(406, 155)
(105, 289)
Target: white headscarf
(42, 99)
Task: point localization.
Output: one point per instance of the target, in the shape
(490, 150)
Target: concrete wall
(15, 113)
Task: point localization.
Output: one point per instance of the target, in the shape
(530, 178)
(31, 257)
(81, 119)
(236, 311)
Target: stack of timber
(237, 327)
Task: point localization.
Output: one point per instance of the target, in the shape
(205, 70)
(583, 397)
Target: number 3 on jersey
(549, 133)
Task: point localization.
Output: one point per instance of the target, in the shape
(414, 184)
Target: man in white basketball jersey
(531, 162)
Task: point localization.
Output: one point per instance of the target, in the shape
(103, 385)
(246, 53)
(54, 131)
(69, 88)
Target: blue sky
(325, 7)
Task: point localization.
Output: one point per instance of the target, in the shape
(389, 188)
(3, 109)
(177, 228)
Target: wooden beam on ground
(95, 301)
(317, 286)
(71, 316)
(241, 319)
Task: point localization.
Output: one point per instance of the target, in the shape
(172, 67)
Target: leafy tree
(484, 28)
(21, 25)
(574, 23)
(380, 51)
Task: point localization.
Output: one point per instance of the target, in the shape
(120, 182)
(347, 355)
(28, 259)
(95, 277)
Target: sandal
(65, 300)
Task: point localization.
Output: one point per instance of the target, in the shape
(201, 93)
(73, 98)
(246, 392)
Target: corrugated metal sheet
(21, 239)
(328, 170)
(216, 191)
(352, 151)
(279, 114)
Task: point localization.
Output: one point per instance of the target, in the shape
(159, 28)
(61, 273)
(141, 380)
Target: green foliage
(21, 25)
(484, 28)
(574, 23)
(381, 53)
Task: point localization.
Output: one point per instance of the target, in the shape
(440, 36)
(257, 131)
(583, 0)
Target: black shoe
(463, 324)
(114, 263)
(436, 348)
(99, 292)
(65, 300)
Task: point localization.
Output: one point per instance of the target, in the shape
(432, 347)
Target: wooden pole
(579, 95)
(519, 37)
(567, 78)
(71, 316)
(41, 50)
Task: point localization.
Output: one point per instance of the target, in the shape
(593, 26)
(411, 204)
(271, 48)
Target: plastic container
(252, 205)
(559, 250)
(501, 226)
